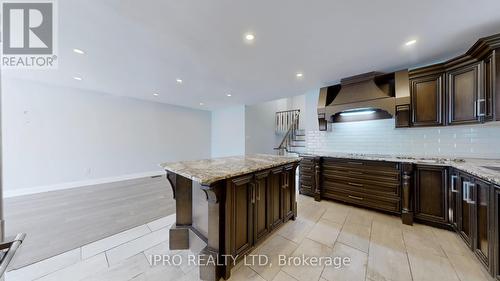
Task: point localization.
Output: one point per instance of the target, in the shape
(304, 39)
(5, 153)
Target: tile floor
(379, 246)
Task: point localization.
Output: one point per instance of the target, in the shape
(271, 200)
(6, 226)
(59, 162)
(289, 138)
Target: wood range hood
(367, 96)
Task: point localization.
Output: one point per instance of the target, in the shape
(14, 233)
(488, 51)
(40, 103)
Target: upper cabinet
(427, 100)
(460, 91)
(465, 95)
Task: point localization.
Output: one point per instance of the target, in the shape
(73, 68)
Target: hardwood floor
(60, 221)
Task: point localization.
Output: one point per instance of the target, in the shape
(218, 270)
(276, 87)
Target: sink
(496, 169)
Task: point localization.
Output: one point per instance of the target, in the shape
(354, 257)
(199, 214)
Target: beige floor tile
(336, 213)
(163, 273)
(451, 242)
(325, 232)
(355, 271)
(136, 246)
(387, 235)
(312, 212)
(125, 270)
(171, 257)
(245, 273)
(356, 236)
(429, 267)
(360, 216)
(282, 276)
(80, 270)
(467, 269)
(421, 238)
(44, 267)
(296, 230)
(308, 248)
(105, 244)
(161, 222)
(386, 262)
(272, 248)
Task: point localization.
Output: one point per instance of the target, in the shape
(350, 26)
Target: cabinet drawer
(306, 169)
(361, 164)
(384, 191)
(306, 178)
(375, 183)
(307, 161)
(364, 200)
(385, 176)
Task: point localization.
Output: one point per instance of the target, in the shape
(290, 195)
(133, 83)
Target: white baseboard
(76, 184)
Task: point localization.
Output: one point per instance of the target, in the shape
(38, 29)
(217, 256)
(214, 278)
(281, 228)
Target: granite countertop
(208, 171)
(472, 166)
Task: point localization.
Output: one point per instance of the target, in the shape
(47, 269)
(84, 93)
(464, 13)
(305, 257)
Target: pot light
(77, 78)
(202, 103)
(229, 95)
(156, 94)
(179, 81)
(79, 51)
(249, 37)
(299, 75)
(357, 112)
(411, 42)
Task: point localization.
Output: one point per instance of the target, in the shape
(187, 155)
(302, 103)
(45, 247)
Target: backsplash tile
(380, 137)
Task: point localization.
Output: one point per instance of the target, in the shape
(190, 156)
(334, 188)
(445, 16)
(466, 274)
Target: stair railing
(290, 119)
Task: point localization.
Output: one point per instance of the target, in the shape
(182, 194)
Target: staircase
(293, 139)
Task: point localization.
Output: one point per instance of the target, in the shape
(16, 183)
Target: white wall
(228, 131)
(58, 137)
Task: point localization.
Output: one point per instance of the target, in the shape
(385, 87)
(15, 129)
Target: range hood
(367, 96)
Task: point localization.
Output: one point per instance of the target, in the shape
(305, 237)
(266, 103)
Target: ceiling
(137, 48)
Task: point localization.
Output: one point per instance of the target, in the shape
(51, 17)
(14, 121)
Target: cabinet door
(288, 193)
(488, 107)
(496, 225)
(275, 198)
(430, 194)
(464, 92)
(466, 209)
(261, 207)
(480, 192)
(454, 200)
(241, 193)
(427, 100)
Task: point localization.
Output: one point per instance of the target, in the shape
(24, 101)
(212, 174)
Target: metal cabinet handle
(480, 111)
(355, 197)
(355, 184)
(453, 182)
(470, 194)
(252, 186)
(465, 191)
(258, 191)
(355, 163)
(355, 173)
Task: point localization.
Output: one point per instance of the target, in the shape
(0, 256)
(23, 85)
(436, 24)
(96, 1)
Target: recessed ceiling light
(249, 37)
(78, 51)
(202, 103)
(229, 95)
(179, 81)
(411, 42)
(156, 94)
(77, 78)
(299, 75)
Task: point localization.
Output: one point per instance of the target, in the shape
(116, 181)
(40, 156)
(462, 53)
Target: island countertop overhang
(209, 171)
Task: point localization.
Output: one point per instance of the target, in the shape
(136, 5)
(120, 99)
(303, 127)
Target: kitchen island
(232, 203)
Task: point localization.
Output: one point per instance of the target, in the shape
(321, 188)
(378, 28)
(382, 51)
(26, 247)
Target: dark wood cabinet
(465, 95)
(454, 199)
(496, 232)
(257, 204)
(307, 175)
(489, 87)
(430, 194)
(288, 193)
(241, 192)
(480, 198)
(427, 100)
(465, 227)
(262, 208)
(402, 117)
(276, 213)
